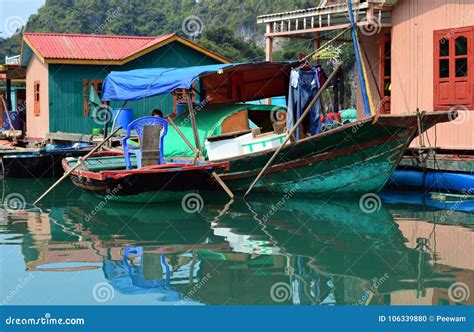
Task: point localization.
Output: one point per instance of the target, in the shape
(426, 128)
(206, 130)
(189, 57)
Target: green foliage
(229, 27)
(225, 42)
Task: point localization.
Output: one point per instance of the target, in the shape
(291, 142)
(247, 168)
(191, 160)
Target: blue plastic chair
(138, 125)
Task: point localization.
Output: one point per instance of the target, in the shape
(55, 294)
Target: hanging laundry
(304, 85)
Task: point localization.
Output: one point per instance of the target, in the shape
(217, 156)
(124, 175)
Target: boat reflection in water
(270, 251)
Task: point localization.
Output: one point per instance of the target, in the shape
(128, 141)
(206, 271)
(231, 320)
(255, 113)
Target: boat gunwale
(154, 169)
(375, 119)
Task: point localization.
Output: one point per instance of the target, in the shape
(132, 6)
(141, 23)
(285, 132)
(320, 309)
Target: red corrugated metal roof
(89, 47)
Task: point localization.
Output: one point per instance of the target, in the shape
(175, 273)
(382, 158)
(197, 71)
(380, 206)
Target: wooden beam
(69, 137)
(292, 34)
(313, 30)
(192, 117)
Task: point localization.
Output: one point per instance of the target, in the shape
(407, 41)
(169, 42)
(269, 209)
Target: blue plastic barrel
(181, 108)
(125, 117)
(430, 180)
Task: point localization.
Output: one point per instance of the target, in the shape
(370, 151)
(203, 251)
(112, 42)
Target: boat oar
(297, 124)
(198, 155)
(79, 163)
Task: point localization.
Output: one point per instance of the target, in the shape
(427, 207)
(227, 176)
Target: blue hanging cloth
(304, 85)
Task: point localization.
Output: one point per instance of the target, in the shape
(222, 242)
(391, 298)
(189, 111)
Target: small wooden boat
(38, 162)
(105, 174)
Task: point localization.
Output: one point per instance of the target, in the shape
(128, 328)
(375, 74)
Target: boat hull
(160, 183)
(353, 159)
(35, 165)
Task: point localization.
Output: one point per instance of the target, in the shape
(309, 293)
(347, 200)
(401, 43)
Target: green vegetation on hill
(228, 27)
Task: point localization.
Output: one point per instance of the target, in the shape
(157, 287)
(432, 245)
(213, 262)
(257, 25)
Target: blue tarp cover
(142, 83)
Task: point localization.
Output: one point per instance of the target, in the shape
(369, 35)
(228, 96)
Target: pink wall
(412, 62)
(37, 126)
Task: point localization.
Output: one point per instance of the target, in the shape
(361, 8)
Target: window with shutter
(453, 78)
(97, 85)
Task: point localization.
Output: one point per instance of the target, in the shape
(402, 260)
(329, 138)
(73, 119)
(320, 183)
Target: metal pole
(305, 113)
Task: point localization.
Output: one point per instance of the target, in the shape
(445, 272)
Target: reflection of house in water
(448, 246)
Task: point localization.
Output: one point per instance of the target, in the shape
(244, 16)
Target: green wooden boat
(352, 159)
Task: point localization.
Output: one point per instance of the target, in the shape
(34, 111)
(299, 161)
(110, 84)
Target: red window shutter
(86, 104)
(36, 96)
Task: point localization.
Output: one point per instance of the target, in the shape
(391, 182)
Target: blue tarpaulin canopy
(222, 83)
(143, 83)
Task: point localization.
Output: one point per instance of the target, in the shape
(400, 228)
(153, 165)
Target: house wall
(37, 126)
(370, 44)
(66, 87)
(412, 63)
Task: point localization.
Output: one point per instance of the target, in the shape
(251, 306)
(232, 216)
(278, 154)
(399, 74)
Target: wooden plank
(150, 145)
(69, 137)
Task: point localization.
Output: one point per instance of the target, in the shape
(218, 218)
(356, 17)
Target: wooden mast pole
(197, 154)
(192, 117)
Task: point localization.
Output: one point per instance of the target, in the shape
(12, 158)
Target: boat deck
(109, 163)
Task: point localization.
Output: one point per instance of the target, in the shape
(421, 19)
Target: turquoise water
(78, 249)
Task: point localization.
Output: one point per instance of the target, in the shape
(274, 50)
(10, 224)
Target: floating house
(419, 55)
(60, 67)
